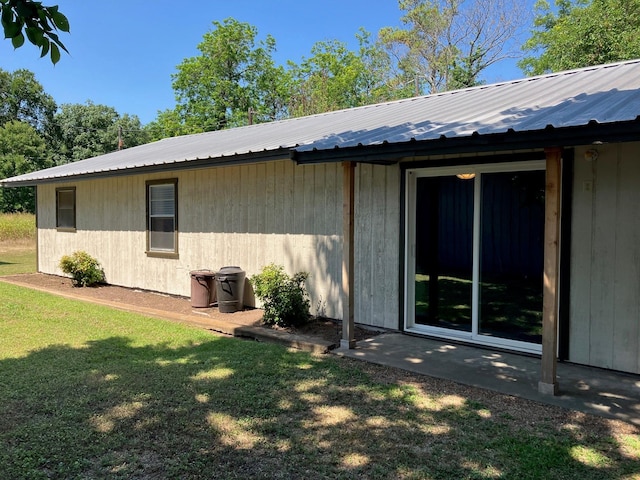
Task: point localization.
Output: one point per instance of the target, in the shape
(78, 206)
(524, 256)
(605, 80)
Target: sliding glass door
(474, 253)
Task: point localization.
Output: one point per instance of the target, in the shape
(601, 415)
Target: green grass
(17, 243)
(17, 260)
(17, 226)
(90, 392)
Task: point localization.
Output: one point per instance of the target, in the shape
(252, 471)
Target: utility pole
(120, 142)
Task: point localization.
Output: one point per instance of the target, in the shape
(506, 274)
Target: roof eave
(241, 159)
(387, 154)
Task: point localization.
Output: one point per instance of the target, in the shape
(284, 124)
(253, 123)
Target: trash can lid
(204, 272)
(230, 270)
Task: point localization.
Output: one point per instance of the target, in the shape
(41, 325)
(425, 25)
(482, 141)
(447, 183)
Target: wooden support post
(548, 383)
(348, 199)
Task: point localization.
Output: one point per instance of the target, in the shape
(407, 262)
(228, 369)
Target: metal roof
(605, 94)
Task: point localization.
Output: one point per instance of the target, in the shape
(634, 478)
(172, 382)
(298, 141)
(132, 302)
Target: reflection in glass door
(444, 259)
(475, 254)
(511, 258)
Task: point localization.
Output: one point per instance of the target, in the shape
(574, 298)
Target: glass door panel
(511, 255)
(444, 252)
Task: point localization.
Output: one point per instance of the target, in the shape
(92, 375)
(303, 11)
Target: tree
(447, 44)
(87, 130)
(26, 134)
(328, 80)
(230, 78)
(335, 77)
(22, 150)
(22, 98)
(38, 22)
(168, 123)
(582, 33)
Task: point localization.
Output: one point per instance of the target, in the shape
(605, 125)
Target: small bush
(83, 268)
(284, 298)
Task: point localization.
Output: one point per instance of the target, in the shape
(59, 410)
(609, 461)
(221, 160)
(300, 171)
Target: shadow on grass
(230, 409)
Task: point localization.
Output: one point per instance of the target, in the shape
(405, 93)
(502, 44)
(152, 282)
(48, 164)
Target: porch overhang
(389, 154)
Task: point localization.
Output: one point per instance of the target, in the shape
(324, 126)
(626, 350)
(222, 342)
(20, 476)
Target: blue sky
(123, 52)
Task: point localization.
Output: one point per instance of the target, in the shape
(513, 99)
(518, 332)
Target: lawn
(90, 392)
(17, 243)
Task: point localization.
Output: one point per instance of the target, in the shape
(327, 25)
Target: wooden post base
(349, 344)
(548, 388)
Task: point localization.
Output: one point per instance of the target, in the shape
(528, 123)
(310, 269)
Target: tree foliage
(233, 76)
(35, 135)
(87, 130)
(582, 33)
(37, 22)
(447, 44)
(335, 77)
(22, 150)
(23, 98)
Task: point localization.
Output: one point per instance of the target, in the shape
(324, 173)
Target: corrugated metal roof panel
(605, 94)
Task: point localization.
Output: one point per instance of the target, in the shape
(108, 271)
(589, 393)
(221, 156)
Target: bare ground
(323, 328)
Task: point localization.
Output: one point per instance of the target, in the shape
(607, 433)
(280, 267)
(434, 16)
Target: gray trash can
(230, 289)
(202, 288)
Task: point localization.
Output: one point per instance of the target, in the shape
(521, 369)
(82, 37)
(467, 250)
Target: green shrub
(83, 268)
(284, 298)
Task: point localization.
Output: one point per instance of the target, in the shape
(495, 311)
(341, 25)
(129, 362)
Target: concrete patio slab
(590, 390)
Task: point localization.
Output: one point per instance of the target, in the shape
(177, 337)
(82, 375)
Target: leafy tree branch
(38, 23)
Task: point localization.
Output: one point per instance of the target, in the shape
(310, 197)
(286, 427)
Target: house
(503, 215)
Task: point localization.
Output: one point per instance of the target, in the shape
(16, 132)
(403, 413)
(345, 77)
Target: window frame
(161, 253)
(66, 228)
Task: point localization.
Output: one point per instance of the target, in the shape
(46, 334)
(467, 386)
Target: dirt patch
(322, 328)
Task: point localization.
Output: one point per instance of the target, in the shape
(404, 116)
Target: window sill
(157, 254)
(66, 229)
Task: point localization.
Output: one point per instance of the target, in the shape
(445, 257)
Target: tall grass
(17, 226)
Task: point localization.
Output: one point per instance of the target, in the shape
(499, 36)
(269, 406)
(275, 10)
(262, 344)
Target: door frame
(411, 175)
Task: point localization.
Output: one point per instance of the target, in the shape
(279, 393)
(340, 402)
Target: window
(162, 217)
(66, 208)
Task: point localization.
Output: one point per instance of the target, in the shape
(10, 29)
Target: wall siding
(244, 215)
(248, 216)
(605, 259)
(377, 246)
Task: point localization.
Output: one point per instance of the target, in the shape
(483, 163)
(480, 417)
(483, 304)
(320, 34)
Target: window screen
(66, 208)
(162, 219)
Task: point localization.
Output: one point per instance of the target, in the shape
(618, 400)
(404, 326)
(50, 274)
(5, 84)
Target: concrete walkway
(591, 390)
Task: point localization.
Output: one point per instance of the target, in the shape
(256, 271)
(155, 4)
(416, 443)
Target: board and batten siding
(605, 259)
(377, 246)
(249, 216)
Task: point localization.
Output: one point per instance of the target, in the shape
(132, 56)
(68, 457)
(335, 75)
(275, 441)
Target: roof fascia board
(280, 154)
(387, 154)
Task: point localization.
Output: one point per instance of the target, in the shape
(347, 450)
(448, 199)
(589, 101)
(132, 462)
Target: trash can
(202, 291)
(230, 289)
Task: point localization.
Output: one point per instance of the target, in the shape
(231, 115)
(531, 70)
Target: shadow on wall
(322, 258)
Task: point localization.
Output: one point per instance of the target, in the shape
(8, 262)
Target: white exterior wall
(377, 246)
(605, 259)
(247, 216)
